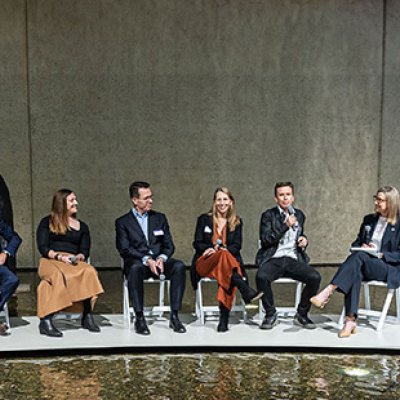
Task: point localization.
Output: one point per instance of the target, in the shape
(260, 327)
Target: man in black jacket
(145, 243)
(283, 254)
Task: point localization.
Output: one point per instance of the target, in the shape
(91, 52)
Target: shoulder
(157, 215)
(270, 212)
(204, 218)
(299, 212)
(45, 221)
(370, 218)
(84, 225)
(123, 218)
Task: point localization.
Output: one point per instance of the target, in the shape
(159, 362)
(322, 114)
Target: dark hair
(59, 216)
(135, 186)
(283, 184)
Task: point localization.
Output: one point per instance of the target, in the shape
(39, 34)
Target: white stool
(158, 310)
(203, 311)
(382, 315)
(6, 316)
(288, 311)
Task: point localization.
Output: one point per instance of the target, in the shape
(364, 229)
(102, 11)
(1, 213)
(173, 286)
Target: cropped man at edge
(144, 241)
(283, 254)
(8, 280)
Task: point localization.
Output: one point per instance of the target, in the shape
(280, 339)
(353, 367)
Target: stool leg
(385, 309)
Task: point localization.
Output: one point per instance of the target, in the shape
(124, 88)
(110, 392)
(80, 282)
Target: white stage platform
(116, 337)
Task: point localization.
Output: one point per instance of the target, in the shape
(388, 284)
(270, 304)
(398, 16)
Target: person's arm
(302, 241)
(167, 245)
(12, 237)
(84, 245)
(43, 239)
(124, 245)
(272, 229)
(235, 245)
(202, 240)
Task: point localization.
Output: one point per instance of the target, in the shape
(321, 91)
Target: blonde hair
(232, 218)
(392, 202)
(59, 213)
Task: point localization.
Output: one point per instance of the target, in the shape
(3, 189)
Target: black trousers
(358, 267)
(287, 267)
(174, 270)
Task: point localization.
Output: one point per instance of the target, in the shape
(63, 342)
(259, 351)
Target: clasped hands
(212, 250)
(156, 266)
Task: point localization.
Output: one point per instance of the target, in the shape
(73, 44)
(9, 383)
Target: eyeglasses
(378, 200)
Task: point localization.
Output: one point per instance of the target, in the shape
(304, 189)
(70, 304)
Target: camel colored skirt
(64, 286)
(220, 266)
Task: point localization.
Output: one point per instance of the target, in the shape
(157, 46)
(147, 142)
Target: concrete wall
(193, 94)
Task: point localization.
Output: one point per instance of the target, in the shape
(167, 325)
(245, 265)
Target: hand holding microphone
(291, 221)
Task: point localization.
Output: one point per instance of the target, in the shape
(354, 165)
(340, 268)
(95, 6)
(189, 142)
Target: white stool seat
(367, 312)
(285, 311)
(203, 311)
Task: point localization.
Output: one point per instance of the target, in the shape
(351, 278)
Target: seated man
(283, 254)
(145, 243)
(8, 281)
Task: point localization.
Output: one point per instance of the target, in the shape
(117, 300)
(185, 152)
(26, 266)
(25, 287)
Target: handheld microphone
(219, 243)
(291, 211)
(367, 234)
(161, 277)
(73, 260)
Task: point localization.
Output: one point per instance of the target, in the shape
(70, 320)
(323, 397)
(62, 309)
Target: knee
(315, 278)
(179, 267)
(14, 281)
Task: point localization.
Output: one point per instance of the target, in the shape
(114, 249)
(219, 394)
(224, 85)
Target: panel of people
(144, 241)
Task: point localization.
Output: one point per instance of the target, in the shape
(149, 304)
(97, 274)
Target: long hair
(392, 202)
(232, 218)
(59, 213)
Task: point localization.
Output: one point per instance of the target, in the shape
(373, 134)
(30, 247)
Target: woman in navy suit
(217, 241)
(380, 235)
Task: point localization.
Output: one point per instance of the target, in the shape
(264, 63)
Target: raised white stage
(116, 337)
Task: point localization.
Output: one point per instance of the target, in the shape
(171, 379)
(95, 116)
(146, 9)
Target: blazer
(203, 240)
(131, 242)
(390, 247)
(272, 229)
(12, 238)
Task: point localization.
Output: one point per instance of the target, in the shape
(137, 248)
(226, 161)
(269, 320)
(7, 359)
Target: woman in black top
(66, 279)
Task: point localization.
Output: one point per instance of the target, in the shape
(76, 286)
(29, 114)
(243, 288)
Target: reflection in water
(201, 376)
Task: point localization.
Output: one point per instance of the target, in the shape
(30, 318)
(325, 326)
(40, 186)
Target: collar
(138, 215)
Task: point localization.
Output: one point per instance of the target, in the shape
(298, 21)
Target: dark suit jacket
(390, 247)
(132, 244)
(203, 240)
(272, 229)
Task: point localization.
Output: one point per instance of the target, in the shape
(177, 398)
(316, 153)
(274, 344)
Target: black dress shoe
(89, 324)
(222, 325)
(141, 326)
(176, 325)
(46, 327)
(303, 321)
(269, 322)
(4, 329)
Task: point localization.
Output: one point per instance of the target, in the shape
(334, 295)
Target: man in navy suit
(283, 254)
(144, 241)
(8, 280)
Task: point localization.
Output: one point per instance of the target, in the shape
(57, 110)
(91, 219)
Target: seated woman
(66, 279)
(217, 241)
(379, 235)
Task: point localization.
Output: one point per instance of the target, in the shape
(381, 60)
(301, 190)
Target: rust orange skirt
(220, 266)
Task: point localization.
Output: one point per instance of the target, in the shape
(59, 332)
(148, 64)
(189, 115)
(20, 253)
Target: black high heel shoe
(89, 324)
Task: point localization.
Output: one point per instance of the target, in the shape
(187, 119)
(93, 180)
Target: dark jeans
(8, 284)
(174, 270)
(358, 267)
(276, 268)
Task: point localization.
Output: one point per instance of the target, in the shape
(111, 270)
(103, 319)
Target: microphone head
(219, 242)
(290, 210)
(161, 277)
(367, 229)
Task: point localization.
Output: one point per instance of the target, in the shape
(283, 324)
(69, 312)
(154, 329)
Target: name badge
(158, 232)
(207, 229)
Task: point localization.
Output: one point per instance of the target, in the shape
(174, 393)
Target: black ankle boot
(46, 327)
(89, 324)
(223, 319)
(249, 294)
